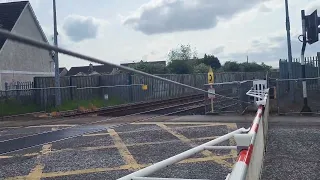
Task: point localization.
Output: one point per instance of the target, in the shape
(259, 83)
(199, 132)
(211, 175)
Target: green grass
(11, 107)
(71, 105)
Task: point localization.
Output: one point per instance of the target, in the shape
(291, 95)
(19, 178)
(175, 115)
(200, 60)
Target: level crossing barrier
(250, 144)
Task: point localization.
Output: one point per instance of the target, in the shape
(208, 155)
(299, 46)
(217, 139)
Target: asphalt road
(293, 150)
(44, 137)
(116, 152)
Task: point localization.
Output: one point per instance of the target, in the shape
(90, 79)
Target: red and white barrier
(251, 147)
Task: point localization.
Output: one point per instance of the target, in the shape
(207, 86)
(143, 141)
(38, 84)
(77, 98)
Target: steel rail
(25, 40)
(108, 119)
(73, 113)
(111, 126)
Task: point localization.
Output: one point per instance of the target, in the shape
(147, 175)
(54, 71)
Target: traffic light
(312, 29)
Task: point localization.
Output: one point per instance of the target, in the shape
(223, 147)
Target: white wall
(24, 58)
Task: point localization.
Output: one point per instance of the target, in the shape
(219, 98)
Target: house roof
(9, 14)
(150, 62)
(61, 69)
(102, 69)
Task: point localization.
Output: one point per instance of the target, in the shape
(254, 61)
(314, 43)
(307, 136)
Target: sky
(120, 31)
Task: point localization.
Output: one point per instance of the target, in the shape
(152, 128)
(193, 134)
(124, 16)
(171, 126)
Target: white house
(20, 62)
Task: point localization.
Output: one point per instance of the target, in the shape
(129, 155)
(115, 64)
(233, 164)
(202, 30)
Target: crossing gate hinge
(242, 141)
(260, 96)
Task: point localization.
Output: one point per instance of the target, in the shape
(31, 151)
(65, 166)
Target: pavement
(293, 149)
(117, 152)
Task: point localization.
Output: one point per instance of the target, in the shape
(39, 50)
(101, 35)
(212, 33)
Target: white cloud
(261, 34)
(313, 5)
(273, 47)
(218, 50)
(79, 28)
(165, 16)
(264, 8)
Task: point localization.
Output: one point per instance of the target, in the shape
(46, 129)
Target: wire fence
(286, 105)
(231, 97)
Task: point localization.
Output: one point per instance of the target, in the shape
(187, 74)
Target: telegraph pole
(55, 57)
(289, 50)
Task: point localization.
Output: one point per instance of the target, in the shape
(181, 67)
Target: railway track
(113, 110)
(176, 106)
(137, 107)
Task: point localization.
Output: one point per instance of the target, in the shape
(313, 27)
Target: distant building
(90, 70)
(20, 62)
(63, 71)
(150, 62)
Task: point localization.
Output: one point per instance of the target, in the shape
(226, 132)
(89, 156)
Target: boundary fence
(44, 98)
(289, 93)
(287, 105)
(123, 86)
(311, 65)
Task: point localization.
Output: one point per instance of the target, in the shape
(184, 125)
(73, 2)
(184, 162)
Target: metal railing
(18, 85)
(288, 105)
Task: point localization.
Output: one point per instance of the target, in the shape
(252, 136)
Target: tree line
(184, 60)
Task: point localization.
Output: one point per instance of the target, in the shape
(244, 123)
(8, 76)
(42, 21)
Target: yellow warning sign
(144, 87)
(210, 76)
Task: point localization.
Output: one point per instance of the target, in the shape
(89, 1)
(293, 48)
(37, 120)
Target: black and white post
(305, 107)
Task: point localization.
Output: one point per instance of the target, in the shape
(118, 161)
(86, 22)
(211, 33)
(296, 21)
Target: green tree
(184, 52)
(179, 67)
(151, 68)
(212, 61)
(182, 60)
(254, 67)
(266, 67)
(231, 66)
(201, 68)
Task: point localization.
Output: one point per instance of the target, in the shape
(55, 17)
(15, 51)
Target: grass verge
(12, 107)
(98, 103)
